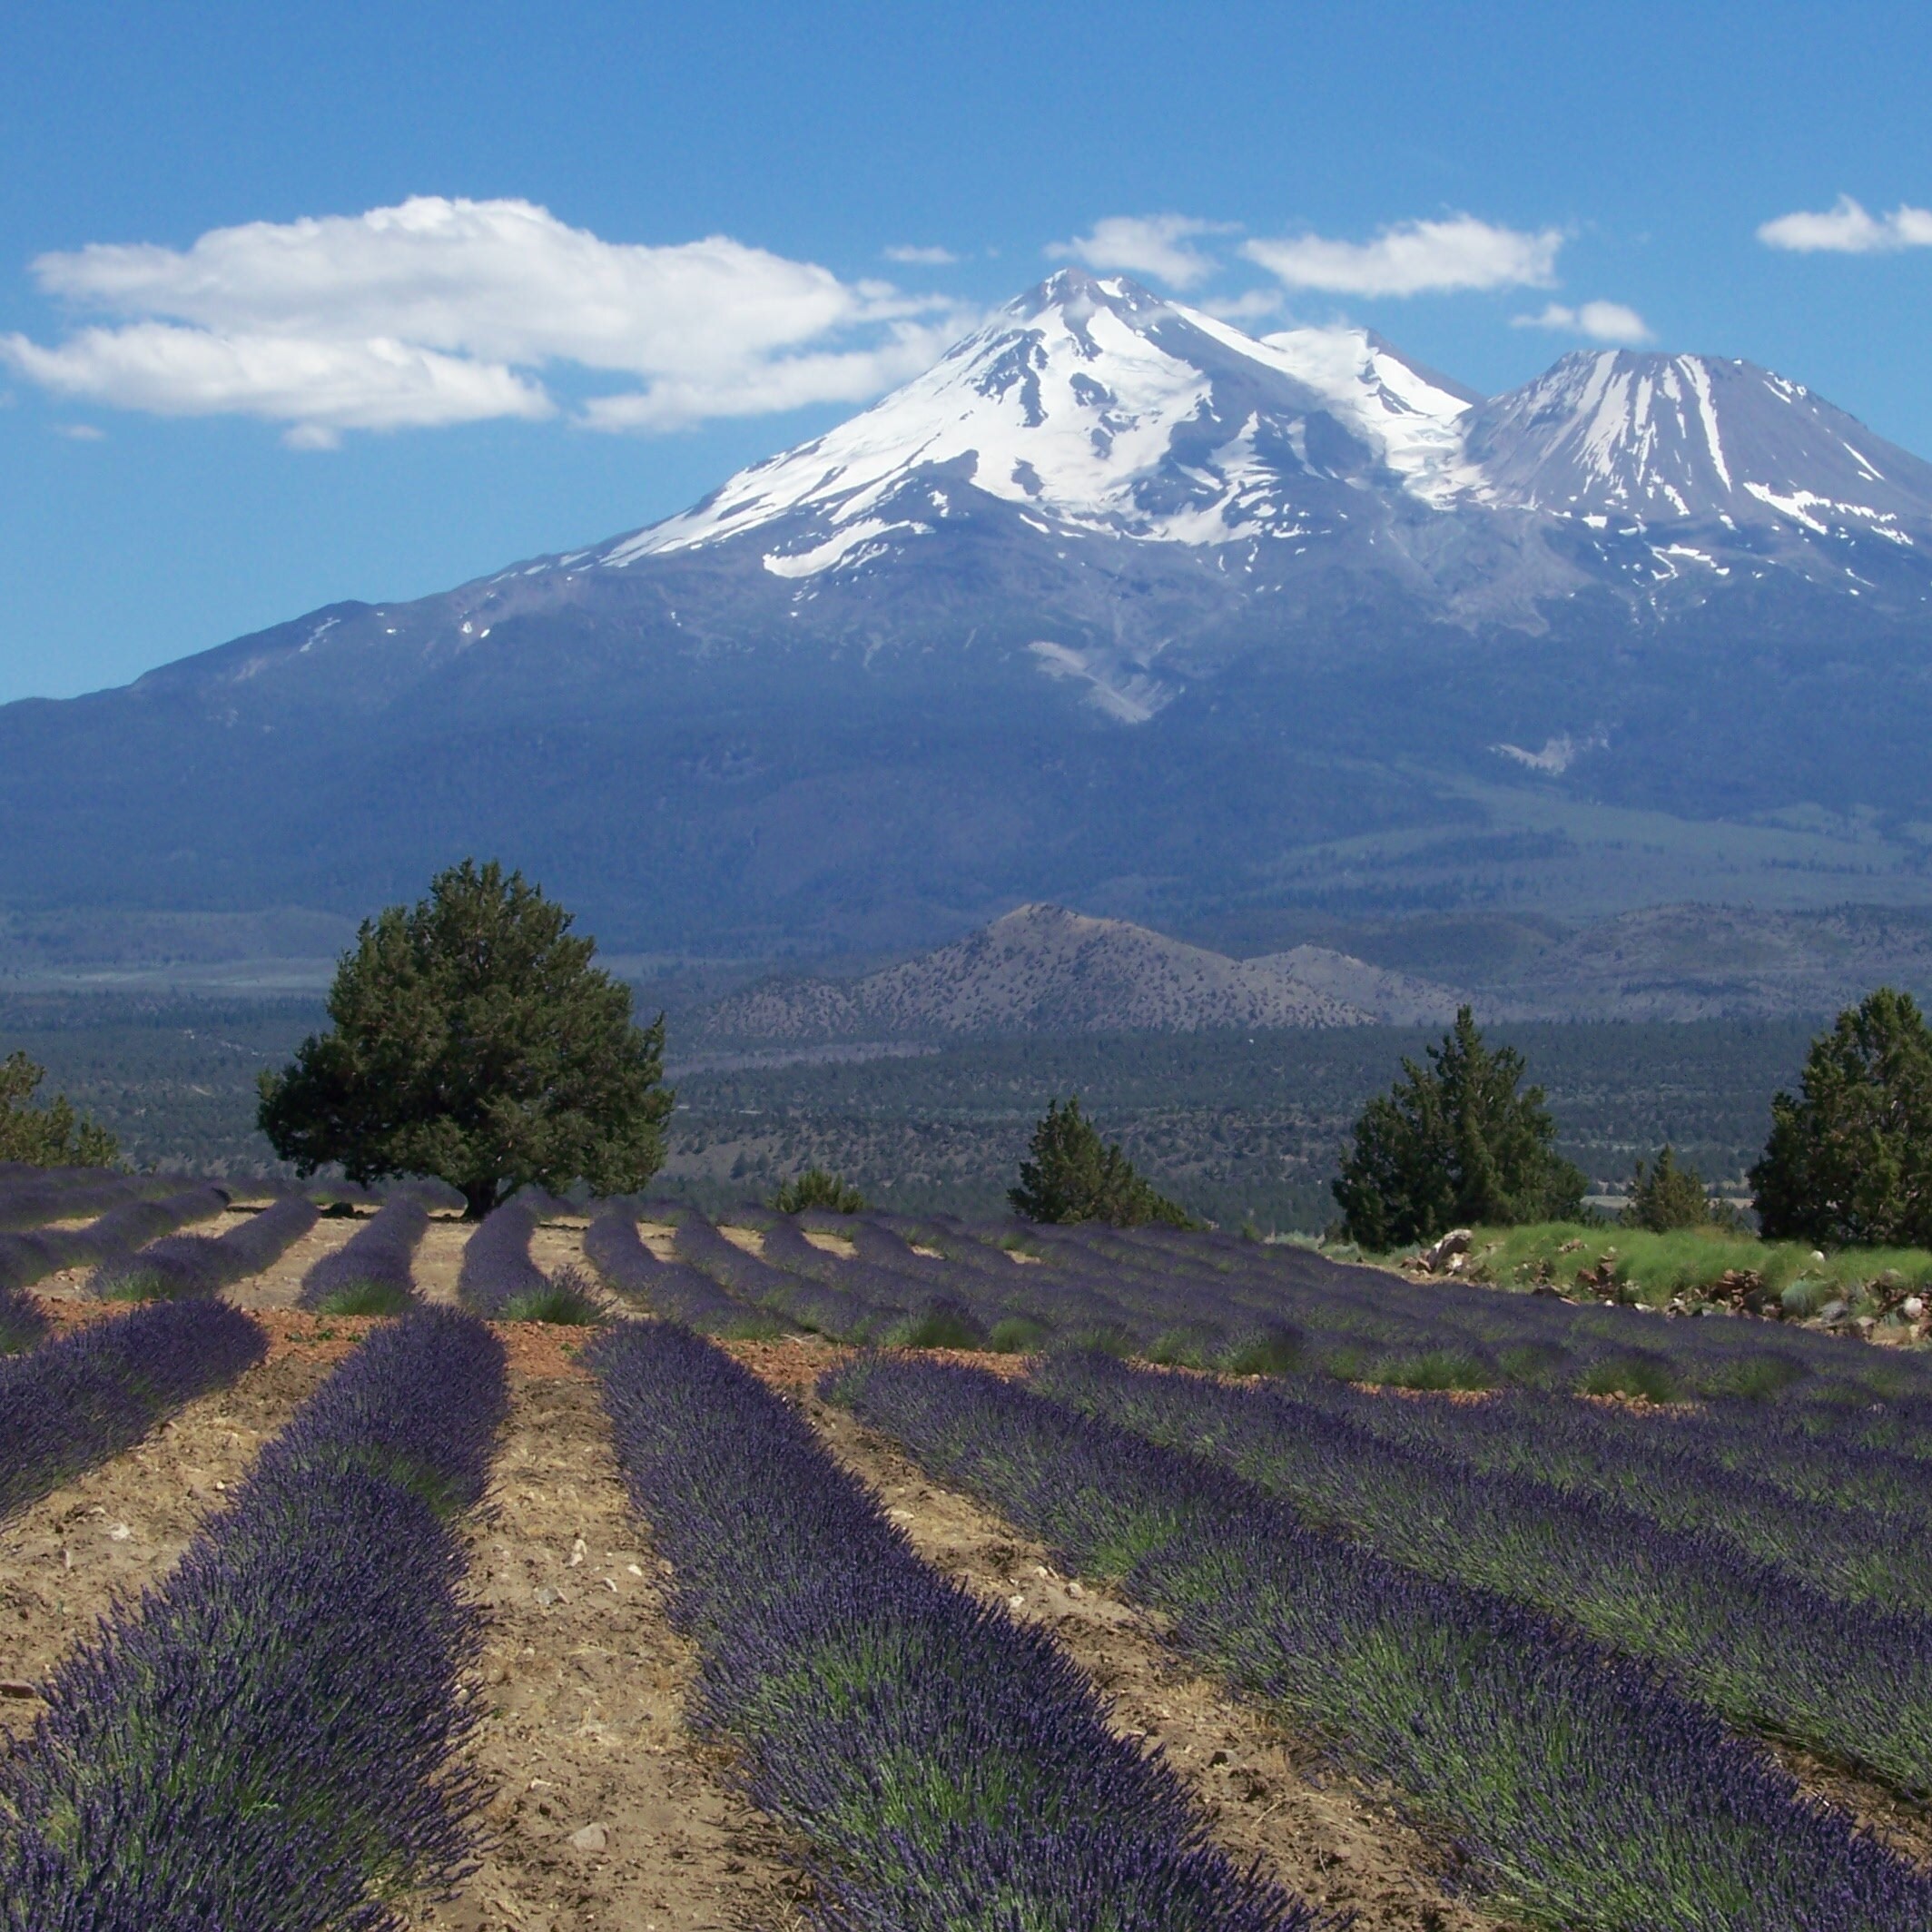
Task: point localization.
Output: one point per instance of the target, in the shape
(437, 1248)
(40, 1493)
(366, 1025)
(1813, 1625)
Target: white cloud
(932, 258)
(1601, 322)
(1151, 244)
(1246, 308)
(443, 312)
(1847, 229)
(1415, 258)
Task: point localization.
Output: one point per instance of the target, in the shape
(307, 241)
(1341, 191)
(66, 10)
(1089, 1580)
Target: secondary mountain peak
(1114, 598)
(1617, 435)
(1043, 968)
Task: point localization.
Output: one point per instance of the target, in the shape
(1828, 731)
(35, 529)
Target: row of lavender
(29, 1256)
(271, 1738)
(1809, 1657)
(72, 1403)
(1207, 1301)
(30, 1197)
(947, 1766)
(373, 1272)
(499, 1281)
(1586, 1789)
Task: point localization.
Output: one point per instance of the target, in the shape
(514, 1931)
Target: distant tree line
(475, 1039)
(1461, 1141)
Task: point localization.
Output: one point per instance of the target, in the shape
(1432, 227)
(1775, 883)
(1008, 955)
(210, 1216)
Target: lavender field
(859, 1571)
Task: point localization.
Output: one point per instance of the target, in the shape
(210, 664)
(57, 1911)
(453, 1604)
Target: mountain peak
(1091, 404)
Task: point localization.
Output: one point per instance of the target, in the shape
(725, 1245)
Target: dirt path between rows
(440, 1256)
(608, 1814)
(64, 1560)
(279, 1283)
(1267, 1793)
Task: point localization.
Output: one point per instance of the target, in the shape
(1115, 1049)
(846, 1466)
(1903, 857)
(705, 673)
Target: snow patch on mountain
(1092, 409)
(1107, 409)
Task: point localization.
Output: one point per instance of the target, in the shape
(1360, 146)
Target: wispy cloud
(80, 432)
(1601, 322)
(1249, 307)
(930, 257)
(1414, 258)
(442, 311)
(1160, 245)
(1848, 229)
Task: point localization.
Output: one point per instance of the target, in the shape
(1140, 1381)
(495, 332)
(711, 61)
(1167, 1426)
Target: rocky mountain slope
(1117, 605)
(1044, 970)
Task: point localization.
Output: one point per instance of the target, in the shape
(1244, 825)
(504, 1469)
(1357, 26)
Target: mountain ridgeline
(1115, 604)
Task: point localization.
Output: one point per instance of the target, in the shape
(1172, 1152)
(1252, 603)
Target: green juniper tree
(474, 1040)
(816, 1187)
(1848, 1162)
(1666, 1196)
(1075, 1176)
(1452, 1144)
(48, 1136)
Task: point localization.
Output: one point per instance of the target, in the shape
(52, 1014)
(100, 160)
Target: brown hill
(1044, 970)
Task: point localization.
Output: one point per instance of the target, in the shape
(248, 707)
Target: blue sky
(302, 302)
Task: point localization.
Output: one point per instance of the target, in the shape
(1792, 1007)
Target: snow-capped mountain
(1664, 447)
(1115, 604)
(1092, 407)
(1096, 406)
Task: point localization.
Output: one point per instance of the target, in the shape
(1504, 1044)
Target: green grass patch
(557, 1304)
(1434, 1368)
(1652, 1269)
(366, 1298)
(1018, 1335)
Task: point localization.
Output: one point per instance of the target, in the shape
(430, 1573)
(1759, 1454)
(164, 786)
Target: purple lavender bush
(38, 1195)
(371, 1272)
(1766, 1646)
(271, 1739)
(949, 1768)
(182, 1265)
(498, 1280)
(22, 1325)
(671, 1289)
(496, 1269)
(70, 1403)
(799, 1298)
(25, 1258)
(1587, 1788)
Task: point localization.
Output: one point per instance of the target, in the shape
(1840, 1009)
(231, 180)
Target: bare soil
(607, 1813)
(64, 1561)
(559, 1245)
(439, 1257)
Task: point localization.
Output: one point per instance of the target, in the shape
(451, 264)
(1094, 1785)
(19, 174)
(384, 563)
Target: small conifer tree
(1454, 1143)
(48, 1136)
(475, 1040)
(1848, 1162)
(1075, 1176)
(1666, 1196)
(818, 1188)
